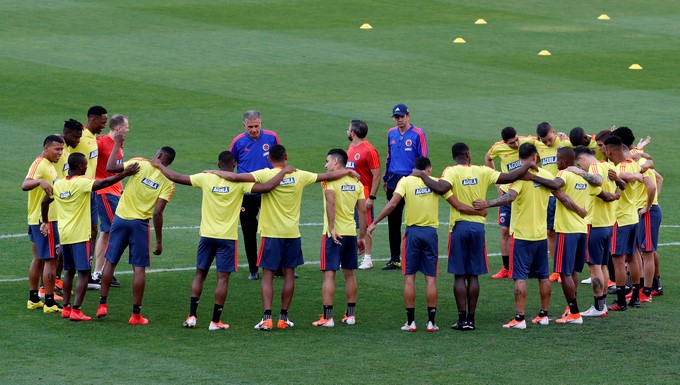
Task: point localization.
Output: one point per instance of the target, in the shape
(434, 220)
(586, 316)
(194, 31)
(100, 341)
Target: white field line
(5, 236)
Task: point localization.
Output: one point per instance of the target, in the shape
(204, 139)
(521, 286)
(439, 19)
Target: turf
(185, 71)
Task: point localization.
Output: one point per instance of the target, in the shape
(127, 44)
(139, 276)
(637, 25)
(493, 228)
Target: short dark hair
(581, 150)
(277, 152)
(359, 127)
(576, 136)
(340, 155)
(72, 125)
(459, 149)
(543, 129)
(51, 139)
(422, 163)
(508, 133)
(568, 153)
(603, 135)
(527, 150)
(613, 141)
(75, 160)
(225, 157)
(96, 111)
(169, 153)
(626, 135)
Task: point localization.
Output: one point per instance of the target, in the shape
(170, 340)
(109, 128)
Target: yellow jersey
(280, 212)
(347, 191)
(508, 156)
(528, 220)
(581, 192)
(469, 182)
(421, 205)
(88, 147)
(221, 205)
(642, 192)
(41, 168)
(626, 209)
(143, 190)
(62, 165)
(72, 198)
(548, 155)
(601, 213)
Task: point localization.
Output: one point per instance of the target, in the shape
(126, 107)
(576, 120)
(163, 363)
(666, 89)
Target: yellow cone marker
(459, 40)
(366, 26)
(480, 21)
(635, 67)
(544, 52)
(603, 16)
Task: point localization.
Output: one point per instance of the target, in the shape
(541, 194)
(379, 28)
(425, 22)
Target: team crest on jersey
(150, 183)
(265, 146)
(287, 181)
(220, 190)
(65, 195)
(357, 156)
(422, 190)
(348, 188)
(548, 160)
(514, 165)
(351, 165)
(469, 182)
(408, 142)
(580, 186)
(94, 154)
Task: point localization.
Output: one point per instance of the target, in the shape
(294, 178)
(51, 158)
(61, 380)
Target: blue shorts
(420, 251)
(528, 259)
(369, 216)
(30, 234)
(93, 208)
(76, 256)
(280, 252)
(467, 249)
(570, 252)
(46, 245)
(224, 249)
(648, 229)
(624, 239)
(333, 255)
(106, 207)
(134, 233)
(552, 201)
(599, 245)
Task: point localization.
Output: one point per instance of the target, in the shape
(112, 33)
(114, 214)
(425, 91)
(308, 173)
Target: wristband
(372, 197)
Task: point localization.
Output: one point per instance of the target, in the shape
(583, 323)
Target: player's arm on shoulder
(335, 175)
(232, 176)
(158, 224)
(106, 182)
(552, 184)
(171, 174)
(516, 174)
(509, 197)
(439, 186)
(273, 182)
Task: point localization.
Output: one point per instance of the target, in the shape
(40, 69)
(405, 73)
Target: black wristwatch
(372, 197)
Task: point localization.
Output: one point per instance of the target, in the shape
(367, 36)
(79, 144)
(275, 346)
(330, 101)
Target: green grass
(184, 72)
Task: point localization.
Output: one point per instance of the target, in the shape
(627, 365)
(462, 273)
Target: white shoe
(409, 327)
(218, 326)
(190, 322)
(349, 319)
(431, 327)
(586, 281)
(366, 264)
(264, 324)
(592, 312)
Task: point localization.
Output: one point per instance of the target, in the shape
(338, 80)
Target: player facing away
(507, 152)
(339, 242)
(420, 249)
(146, 195)
(405, 143)
(601, 219)
(467, 236)
(72, 197)
(364, 158)
(528, 242)
(279, 227)
(38, 182)
(219, 229)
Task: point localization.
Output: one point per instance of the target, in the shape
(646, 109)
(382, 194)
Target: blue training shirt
(402, 152)
(251, 155)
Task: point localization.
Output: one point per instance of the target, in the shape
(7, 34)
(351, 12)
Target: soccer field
(185, 71)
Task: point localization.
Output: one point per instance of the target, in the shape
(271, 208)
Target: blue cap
(400, 110)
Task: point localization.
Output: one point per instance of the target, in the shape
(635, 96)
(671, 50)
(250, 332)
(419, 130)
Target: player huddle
(589, 199)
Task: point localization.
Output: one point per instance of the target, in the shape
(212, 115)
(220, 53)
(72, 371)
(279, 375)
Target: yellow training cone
(480, 21)
(544, 52)
(366, 26)
(459, 40)
(603, 16)
(635, 67)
